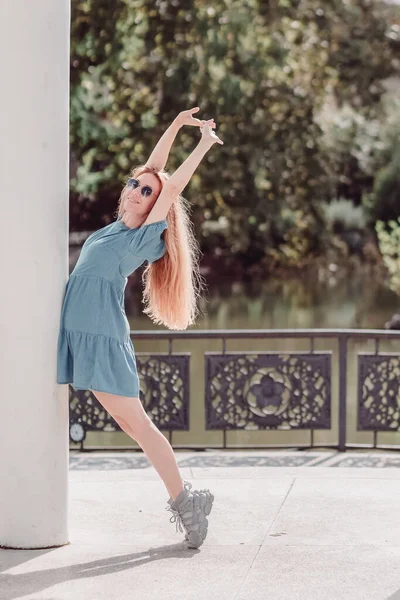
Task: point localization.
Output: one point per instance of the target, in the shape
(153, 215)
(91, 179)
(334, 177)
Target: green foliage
(385, 196)
(362, 150)
(389, 245)
(342, 215)
(350, 134)
(300, 238)
(262, 70)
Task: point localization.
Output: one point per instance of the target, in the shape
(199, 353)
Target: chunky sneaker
(189, 510)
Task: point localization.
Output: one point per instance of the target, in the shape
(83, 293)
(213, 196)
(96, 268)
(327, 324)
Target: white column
(34, 221)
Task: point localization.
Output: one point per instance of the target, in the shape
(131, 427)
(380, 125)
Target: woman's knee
(127, 411)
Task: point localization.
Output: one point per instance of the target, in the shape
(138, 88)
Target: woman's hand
(186, 118)
(208, 135)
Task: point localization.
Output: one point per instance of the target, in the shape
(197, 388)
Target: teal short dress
(94, 349)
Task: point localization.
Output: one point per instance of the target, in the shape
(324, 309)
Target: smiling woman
(139, 196)
(172, 285)
(153, 225)
(94, 346)
(95, 350)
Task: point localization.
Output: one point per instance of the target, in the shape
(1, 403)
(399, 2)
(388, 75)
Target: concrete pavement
(286, 525)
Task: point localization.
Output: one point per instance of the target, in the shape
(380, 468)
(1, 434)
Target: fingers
(216, 138)
(209, 122)
(205, 129)
(207, 125)
(196, 109)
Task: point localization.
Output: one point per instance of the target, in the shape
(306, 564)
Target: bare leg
(133, 419)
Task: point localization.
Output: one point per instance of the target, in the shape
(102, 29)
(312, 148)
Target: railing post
(342, 392)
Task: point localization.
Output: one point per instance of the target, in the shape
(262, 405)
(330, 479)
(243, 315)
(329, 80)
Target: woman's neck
(130, 221)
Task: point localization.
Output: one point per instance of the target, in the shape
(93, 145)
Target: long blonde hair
(173, 283)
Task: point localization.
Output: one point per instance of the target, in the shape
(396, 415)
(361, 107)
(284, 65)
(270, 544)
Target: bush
(384, 201)
(342, 215)
(389, 245)
(362, 146)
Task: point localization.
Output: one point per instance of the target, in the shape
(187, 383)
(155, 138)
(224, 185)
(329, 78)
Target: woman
(95, 351)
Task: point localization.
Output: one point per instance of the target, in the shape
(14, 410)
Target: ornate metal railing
(264, 390)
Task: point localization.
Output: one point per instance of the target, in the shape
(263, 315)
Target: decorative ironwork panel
(164, 388)
(87, 414)
(378, 392)
(164, 392)
(255, 391)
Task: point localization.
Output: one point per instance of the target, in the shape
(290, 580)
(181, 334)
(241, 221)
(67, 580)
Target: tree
(262, 70)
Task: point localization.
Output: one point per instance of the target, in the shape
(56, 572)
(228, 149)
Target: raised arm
(179, 180)
(158, 158)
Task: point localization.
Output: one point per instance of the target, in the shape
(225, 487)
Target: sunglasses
(146, 190)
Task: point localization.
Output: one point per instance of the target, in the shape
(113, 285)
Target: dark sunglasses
(146, 190)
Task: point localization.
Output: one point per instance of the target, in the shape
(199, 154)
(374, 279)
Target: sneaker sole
(197, 538)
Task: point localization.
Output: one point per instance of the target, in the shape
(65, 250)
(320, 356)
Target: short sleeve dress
(94, 349)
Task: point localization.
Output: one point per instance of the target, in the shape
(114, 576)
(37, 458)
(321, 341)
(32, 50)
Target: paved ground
(279, 530)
